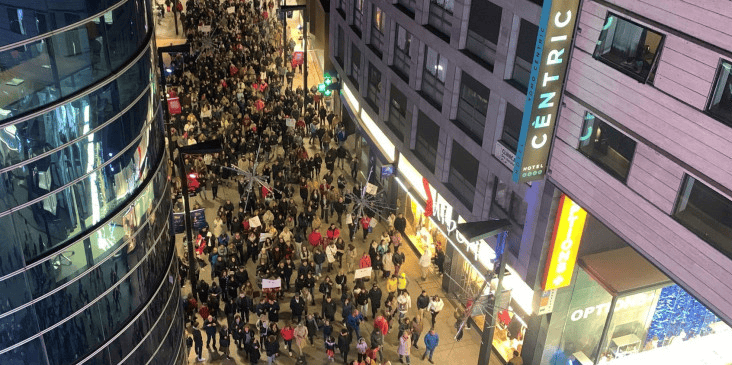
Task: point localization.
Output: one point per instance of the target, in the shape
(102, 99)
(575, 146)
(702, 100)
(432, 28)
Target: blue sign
(178, 223)
(387, 170)
(197, 217)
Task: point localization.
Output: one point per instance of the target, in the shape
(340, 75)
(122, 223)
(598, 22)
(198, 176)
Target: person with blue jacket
(431, 340)
(353, 323)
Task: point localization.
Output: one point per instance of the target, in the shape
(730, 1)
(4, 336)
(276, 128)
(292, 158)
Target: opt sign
(566, 238)
(548, 73)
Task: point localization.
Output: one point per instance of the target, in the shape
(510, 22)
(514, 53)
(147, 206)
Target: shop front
(620, 309)
(467, 264)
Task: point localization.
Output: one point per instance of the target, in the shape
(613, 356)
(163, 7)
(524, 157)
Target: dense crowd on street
(298, 228)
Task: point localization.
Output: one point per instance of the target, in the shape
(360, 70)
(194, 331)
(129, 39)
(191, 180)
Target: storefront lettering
(602, 309)
(565, 243)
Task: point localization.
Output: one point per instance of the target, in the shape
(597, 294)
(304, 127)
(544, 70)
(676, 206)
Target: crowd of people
(237, 86)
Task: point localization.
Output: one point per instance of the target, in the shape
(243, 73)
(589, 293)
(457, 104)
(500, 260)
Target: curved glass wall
(39, 72)
(34, 136)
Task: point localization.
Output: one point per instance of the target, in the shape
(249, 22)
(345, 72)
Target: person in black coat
(375, 296)
(224, 341)
(344, 344)
(254, 354)
(272, 347)
(297, 307)
(197, 341)
(209, 326)
(273, 310)
(329, 309)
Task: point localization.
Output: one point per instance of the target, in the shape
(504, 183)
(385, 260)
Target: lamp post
(207, 147)
(476, 231)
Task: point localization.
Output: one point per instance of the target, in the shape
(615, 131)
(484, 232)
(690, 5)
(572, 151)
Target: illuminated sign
(568, 229)
(548, 72)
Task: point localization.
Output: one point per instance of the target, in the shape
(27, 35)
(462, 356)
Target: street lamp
(476, 231)
(202, 148)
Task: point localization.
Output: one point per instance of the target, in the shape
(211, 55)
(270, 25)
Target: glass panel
(30, 353)
(721, 104)
(17, 326)
(512, 127)
(43, 71)
(707, 213)
(607, 147)
(628, 47)
(72, 120)
(14, 292)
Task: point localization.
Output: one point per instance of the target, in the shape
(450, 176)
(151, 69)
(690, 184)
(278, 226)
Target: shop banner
(197, 217)
(271, 284)
(387, 170)
(565, 242)
(174, 105)
(543, 98)
(362, 273)
(546, 302)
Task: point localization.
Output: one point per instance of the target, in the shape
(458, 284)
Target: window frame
(599, 163)
(402, 62)
(357, 23)
(373, 92)
(648, 78)
(340, 54)
(395, 116)
(440, 18)
(432, 80)
(462, 180)
(502, 140)
(471, 111)
(355, 78)
(408, 7)
(679, 199)
(422, 142)
(520, 62)
(714, 90)
(377, 30)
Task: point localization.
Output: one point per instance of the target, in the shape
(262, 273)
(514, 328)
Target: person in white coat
(436, 305)
(425, 261)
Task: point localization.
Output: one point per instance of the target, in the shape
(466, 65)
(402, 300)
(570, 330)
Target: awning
(623, 271)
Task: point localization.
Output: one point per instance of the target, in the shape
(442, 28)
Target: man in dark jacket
(329, 309)
(272, 347)
(344, 344)
(400, 223)
(423, 300)
(297, 307)
(273, 310)
(377, 339)
(375, 296)
(209, 325)
(197, 341)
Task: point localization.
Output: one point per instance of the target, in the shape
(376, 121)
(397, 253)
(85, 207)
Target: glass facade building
(87, 266)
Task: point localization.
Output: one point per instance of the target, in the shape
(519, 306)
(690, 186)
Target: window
(401, 53)
(707, 213)
(628, 47)
(606, 146)
(374, 90)
(463, 174)
(512, 127)
(341, 8)
(407, 6)
(377, 30)
(472, 107)
(340, 47)
(428, 135)
(433, 77)
(357, 16)
(720, 106)
(483, 29)
(524, 55)
(398, 122)
(355, 65)
(439, 18)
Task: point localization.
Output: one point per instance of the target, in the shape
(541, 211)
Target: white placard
(230, 10)
(264, 236)
(205, 113)
(373, 222)
(371, 188)
(362, 273)
(254, 222)
(206, 28)
(290, 122)
(271, 284)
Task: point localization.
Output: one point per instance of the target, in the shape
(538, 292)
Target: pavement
(449, 351)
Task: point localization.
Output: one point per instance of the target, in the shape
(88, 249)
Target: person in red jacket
(365, 261)
(288, 333)
(381, 323)
(333, 232)
(314, 238)
(365, 224)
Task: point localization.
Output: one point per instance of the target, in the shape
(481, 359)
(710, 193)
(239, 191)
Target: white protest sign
(371, 188)
(362, 273)
(271, 284)
(264, 236)
(206, 28)
(230, 10)
(254, 222)
(290, 122)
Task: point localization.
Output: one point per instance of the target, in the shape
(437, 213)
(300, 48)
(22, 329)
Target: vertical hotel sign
(568, 228)
(548, 73)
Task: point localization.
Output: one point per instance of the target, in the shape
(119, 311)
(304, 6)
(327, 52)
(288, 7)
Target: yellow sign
(568, 229)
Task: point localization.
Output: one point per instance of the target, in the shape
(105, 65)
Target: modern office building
(436, 89)
(642, 146)
(87, 268)
(637, 196)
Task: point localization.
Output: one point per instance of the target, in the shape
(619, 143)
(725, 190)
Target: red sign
(174, 105)
(428, 205)
(298, 58)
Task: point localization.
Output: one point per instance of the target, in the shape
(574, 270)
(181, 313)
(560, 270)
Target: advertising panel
(548, 73)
